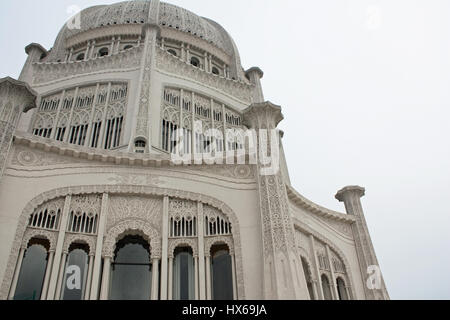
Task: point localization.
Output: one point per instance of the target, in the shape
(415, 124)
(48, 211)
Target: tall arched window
(221, 273)
(131, 270)
(309, 283)
(32, 272)
(183, 275)
(75, 274)
(341, 289)
(326, 288)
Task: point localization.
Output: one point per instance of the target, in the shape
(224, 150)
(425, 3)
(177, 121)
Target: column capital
(35, 47)
(350, 191)
(254, 70)
(263, 115)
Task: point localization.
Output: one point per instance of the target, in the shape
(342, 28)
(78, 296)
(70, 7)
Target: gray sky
(364, 87)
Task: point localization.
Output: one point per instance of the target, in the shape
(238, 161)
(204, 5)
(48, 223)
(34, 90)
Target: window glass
(183, 275)
(32, 272)
(131, 270)
(75, 275)
(222, 283)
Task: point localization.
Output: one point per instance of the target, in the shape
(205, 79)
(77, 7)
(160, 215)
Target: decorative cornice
(304, 203)
(101, 155)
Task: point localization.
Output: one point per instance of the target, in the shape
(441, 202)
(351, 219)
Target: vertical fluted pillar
(201, 251)
(208, 276)
(320, 295)
(155, 278)
(59, 284)
(48, 270)
(351, 196)
(59, 249)
(12, 291)
(104, 292)
(165, 243)
(151, 31)
(254, 75)
(87, 286)
(98, 248)
(279, 249)
(170, 280)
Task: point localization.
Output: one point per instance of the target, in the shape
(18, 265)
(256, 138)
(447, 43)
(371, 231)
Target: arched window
(183, 275)
(172, 52)
(131, 270)
(80, 57)
(128, 46)
(103, 52)
(309, 283)
(221, 273)
(32, 272)
(195, 62)
(75, 274)
(326, 288)
(215, 71)
(341, 289)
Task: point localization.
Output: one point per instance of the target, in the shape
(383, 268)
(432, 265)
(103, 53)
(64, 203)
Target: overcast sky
(365, 91)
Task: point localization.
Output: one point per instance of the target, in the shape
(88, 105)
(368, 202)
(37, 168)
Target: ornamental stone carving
(79, 238)
(185, 242)
(146, 208)
(132, 227)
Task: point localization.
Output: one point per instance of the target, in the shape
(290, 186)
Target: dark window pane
(32, 272)
(222, 282)
(131, 273)
(75, 275)
(183, 276)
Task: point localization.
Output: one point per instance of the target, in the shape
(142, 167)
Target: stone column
(104, 292)
(170, 287)
(34, 51)
(196, 277)
(233, 272)
(208, 276)
(98, 248)
(87, 287)
(12, 291)
(320, 295)
(55, 124)
(351, 196)
(201, 251)
(69, 122)
(155, 278)
(333, 284)
(61, 275)
(15, 97)
(48, 270)
(165, 243)
(151, 32)
(59, 249)
(255, 75)
(279, 249)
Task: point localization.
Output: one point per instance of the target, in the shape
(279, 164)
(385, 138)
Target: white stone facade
(85, 136)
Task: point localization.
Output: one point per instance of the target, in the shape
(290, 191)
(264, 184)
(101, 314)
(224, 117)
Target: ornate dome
(138, 12)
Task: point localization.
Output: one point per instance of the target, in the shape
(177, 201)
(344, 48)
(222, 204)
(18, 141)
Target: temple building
(140, 160)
